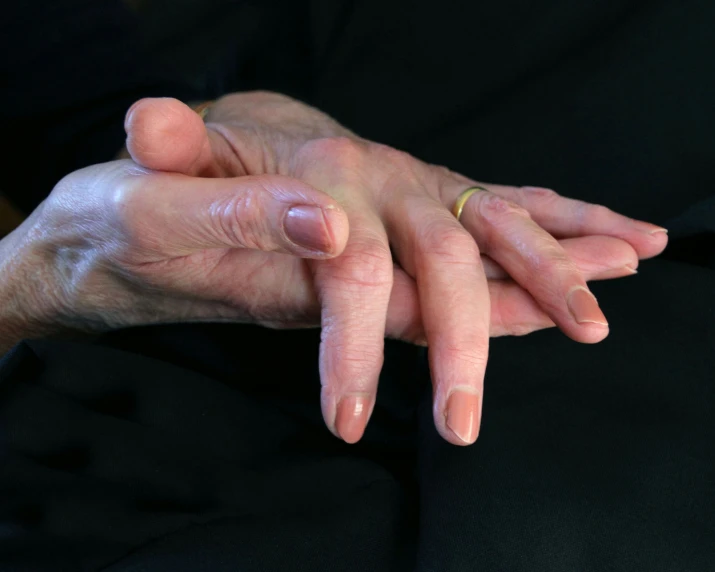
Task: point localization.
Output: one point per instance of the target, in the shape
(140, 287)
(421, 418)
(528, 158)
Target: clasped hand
(273, 213)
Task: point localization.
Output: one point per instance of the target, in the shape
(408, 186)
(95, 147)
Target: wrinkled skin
(193, 228)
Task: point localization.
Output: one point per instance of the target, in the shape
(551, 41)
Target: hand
(117, 245)
(395, 201)
(104, 251)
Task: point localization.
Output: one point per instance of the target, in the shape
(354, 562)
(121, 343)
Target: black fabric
(201, 447)
(69, 72)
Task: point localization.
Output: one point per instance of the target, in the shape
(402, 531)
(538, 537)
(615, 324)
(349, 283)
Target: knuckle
(108, 203)
(443, 171)
(447, 176)
(551, 258)
(125, 196)
(131, 211)
(597, 212)
(497, 210)
(95, 180)
(367, 265)
(241, 220)
(65, 186)
(391, 155)
(587, 214)
(449, 242)
(340, 151)
(126, 200)
(539, 193)
(471, 356)
(63, 200)
(443, 179)
(358, 363)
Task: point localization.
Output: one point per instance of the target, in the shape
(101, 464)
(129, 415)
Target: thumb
(175, 215)
(164, 134)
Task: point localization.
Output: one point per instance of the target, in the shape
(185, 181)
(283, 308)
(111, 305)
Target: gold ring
(203, 109)
(462, 200)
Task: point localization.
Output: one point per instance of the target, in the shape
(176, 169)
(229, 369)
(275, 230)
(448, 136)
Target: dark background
(620, 92)
(140, 450)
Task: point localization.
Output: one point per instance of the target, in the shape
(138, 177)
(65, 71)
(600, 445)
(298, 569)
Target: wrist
(28, 308)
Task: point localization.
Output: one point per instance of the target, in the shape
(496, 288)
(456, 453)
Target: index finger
(354, 293)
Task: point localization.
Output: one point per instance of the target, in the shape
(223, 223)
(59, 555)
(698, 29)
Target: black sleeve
(70, 71)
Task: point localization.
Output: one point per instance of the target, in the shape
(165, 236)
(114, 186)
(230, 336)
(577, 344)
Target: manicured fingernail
(584, 307)
(463, 415)
(305, 226)
(351, 418)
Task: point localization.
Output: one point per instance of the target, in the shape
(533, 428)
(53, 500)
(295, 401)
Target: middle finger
(454, 299)
(533, 258)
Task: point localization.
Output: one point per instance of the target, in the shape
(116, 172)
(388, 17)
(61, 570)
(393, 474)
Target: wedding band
(202, 109)
(462, 200)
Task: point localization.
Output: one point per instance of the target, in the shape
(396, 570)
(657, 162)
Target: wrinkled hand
(409, 269)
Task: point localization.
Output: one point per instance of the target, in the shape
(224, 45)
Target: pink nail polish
(584, 307)
(351, 418)
(463, 415)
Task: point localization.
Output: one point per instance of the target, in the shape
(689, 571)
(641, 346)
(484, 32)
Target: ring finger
(506, 232)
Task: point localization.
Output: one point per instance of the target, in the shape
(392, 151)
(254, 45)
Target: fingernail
(648, 228)
(584, 307)
(630, 269)
(130, 113)
(305, 226)
(351, 417)
(464, 415)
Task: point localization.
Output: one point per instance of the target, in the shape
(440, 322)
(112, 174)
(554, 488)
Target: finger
(596, 257)
(404, 315)
(354, 291)
(164, 134)
(454, 300)
(563, 217)
(169, 215)
(513, 310)
(535, 260)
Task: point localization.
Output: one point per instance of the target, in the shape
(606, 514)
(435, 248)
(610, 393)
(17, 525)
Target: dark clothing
(191, 447)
